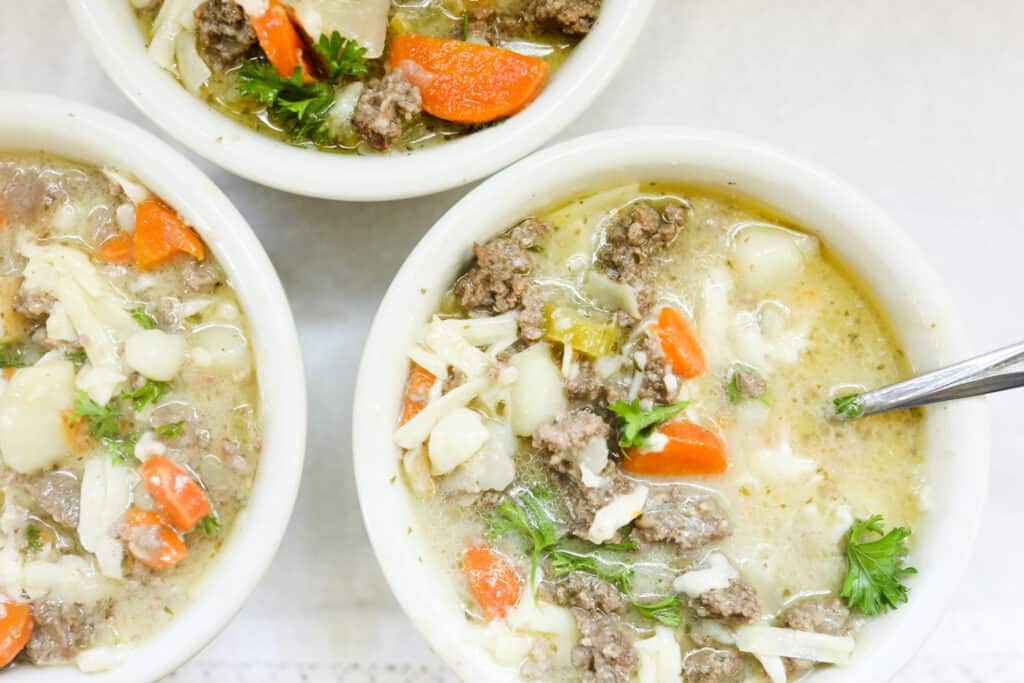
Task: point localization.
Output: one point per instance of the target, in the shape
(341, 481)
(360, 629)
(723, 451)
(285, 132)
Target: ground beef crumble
(821, 614)
(585, 591)
(384, 105)
(59, 631)
(587, 387)
(737, 602)
(562, 438)
(571, 17)
(708, 665)
(603, 654)
(224, 33)
(676, 514)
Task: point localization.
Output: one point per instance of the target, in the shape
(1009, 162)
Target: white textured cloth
(916, 102)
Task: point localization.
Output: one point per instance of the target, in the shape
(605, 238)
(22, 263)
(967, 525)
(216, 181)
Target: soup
(365, 76)
(129, 427)
(616, 429)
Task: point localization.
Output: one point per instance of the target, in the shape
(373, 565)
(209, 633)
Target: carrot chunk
(281, 41)
(160, 234)
(151, 540)
(417, 391)
(690, 450)
(494, 583)
(465, 82)
(15, 630)
(179, 496)
(679, 343)
(117, 249)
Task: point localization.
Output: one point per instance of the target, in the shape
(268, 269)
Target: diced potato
(223, 348)
(31, 421)
(454, 440)
(155, 354)
(587, 336)
(537, 394)
(660, 657)
(12, 325)
(767, 257)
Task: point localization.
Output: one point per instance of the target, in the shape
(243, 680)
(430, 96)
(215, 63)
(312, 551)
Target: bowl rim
(37, 123)
(117, 44)
(924, 319)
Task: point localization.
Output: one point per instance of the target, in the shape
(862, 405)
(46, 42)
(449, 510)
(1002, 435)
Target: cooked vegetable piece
(417, 392)
(583, 334)
(849, 406)
(689, 450)
(178, 495)
(119, 249)
(638, 425)
(281, 41)
(341, 56)
(151, 540)
(493, 581)
(15, 630)
(679, 343)
(160, 234)
(466, 82)
(876, 568)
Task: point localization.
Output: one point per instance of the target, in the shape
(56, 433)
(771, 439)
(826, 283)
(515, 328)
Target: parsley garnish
(300, 108)
(617, 573)
(527, 515)
(849, 406)
(121, 448)
(666, 611)
(637, 425)
(78, 357)
(209, 525)
(171, 430)
(875, 568)
(150, 392)
(143, 318)
(34, 543)
(12, 357)
(104, 420)
(341, 56)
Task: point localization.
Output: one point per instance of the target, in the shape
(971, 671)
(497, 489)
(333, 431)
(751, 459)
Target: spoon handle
(985, 374)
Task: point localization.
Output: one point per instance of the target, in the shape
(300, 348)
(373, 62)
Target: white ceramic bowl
(908, 290)
(112, 31)
(37, 123)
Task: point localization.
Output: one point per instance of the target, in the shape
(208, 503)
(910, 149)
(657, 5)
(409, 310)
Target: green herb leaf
(301, 109)
(465, 24)
(342, 57)
(667, 611)
(849, 406)
(875, 568)
(171, 430)
(143, 318)
(526, 514)
(636, 426)
(150, 392)
(33, 542)
(209, 525)
(12, 357)
(78, 357)
(617, 573)
(121, 448)
(104, 420)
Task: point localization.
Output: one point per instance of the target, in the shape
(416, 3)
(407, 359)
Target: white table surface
(918, 102)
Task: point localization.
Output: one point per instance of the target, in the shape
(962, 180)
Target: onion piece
(191, 67)
(788, 642)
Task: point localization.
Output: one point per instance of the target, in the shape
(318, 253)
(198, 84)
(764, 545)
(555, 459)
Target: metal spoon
(984, 374)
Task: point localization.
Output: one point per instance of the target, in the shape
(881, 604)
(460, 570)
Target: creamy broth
(762, 294)
(156, 380)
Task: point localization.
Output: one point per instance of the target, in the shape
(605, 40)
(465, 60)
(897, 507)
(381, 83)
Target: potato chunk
(31, 424)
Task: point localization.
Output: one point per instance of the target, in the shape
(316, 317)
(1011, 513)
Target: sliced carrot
(117, 249)
(281, 41)
(151, 540)
(15, 630)
(466, 82)
(417, 391)
(9, 372)
(177, 494)
(492, 580)
(679, 343)
(690, 450)
(160, 234)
